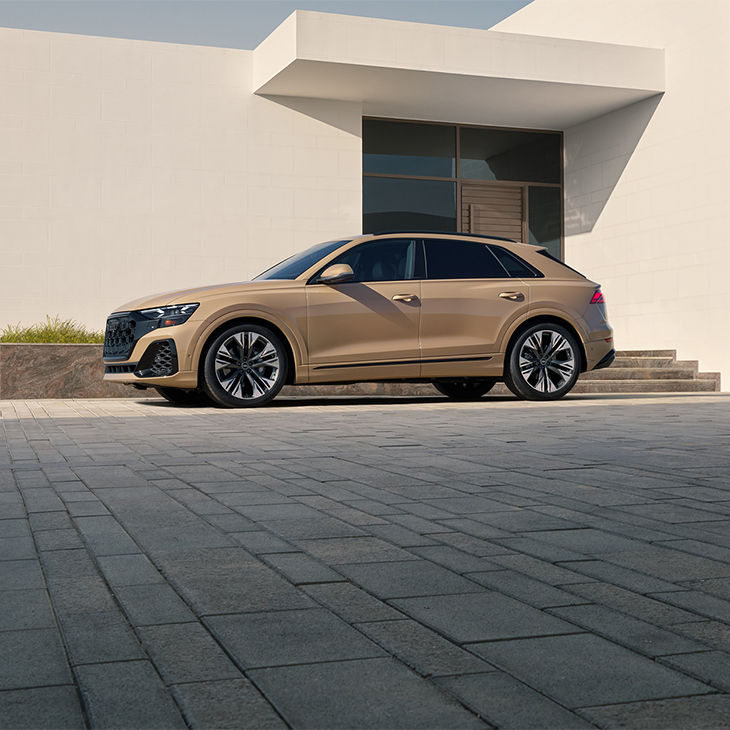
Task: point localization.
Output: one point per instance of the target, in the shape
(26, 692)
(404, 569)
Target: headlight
(169, 316)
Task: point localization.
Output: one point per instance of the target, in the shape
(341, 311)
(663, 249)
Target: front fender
(235, 312)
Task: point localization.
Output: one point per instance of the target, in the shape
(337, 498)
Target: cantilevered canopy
(453, 74)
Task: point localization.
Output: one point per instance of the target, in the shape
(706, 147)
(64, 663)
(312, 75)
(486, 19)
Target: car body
(405, 306)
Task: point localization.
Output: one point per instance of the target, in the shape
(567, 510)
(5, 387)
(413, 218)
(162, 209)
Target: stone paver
(355, 563)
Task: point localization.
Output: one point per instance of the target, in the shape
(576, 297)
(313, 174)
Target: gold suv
(459, 311)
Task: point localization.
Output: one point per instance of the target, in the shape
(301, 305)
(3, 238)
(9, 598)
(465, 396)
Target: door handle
(405, 298)
(513, 296)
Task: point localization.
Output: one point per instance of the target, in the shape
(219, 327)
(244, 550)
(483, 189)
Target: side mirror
(336, 274)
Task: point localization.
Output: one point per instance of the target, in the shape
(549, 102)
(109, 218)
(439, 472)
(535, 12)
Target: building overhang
(417, 71)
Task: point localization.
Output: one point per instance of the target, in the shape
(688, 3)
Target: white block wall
(130, 167)
(647, 194)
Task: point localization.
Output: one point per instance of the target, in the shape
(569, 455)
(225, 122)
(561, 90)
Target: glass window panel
(391, 260)
(447, 259)
(498, 154)
(391, 204)
(298, 263)
(400, 148)
(545, 217)
(514, 264)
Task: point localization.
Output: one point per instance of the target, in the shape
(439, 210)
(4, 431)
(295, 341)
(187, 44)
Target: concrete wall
(129, 167)
(647, 197)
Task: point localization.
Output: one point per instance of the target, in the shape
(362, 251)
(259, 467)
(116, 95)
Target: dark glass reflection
(497, 154)
(402, 148)
(382, 260)
(461, 260)
(545, 217)
(390, 204)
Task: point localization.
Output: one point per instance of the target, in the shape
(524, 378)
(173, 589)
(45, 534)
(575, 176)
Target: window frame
(416, 261)
(465, 242)
(459, 179)
(536, 273)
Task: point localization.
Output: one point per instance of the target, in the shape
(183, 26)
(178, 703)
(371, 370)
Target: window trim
(313, 279)
(459, 180)
(537, 274)
(464, 278)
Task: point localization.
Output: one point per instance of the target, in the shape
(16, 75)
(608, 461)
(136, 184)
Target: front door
(493, 209)
(368, 327)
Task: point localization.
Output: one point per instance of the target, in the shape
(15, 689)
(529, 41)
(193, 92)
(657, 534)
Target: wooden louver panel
(496, 210)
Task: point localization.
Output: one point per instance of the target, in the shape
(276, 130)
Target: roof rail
(444, 233)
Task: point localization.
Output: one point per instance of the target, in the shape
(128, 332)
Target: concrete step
(418, 390)
(647, 353)
(655, 362)
(646, 386)
(637, 373)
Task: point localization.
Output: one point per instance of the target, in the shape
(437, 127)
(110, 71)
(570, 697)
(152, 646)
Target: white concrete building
(595, 127)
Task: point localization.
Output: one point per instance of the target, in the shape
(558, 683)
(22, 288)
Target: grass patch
(53, 330)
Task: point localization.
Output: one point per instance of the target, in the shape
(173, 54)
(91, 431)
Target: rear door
(467, 301)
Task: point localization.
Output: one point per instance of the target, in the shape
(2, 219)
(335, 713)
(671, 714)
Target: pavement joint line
(594, 511)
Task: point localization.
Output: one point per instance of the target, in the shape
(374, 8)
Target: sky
(229, 23)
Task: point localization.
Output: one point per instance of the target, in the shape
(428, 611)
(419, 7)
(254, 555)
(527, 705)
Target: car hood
(187, 296)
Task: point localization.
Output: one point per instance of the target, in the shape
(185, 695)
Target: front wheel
(543, 364)
(464, 390)
(245, 366)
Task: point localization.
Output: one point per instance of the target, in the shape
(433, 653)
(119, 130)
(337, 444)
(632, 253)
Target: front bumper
(134, 354)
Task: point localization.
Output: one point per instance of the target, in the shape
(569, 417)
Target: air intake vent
(159, 360)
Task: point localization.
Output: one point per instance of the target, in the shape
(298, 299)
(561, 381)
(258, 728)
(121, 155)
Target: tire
(181, 397)
(245, 366)
(464, 390)
(544, 363)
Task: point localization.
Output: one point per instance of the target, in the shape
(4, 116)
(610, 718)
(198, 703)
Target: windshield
(298, 263)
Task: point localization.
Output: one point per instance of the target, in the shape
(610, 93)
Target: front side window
(297, 264)
(384, 260)
(448, 259)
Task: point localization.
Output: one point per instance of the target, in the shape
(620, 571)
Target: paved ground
(392, 563)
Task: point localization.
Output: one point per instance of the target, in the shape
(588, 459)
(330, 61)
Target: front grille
(122, 332)
(159, 360)
(120, 368)
(120, 336)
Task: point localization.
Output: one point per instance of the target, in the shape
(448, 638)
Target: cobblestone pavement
(366, 563)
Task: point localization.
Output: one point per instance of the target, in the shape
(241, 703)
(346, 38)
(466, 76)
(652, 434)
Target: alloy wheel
(547, 361)
(246, 365)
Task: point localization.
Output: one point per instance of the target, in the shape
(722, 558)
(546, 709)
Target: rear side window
(448, 259)
(514, 264)
(548, 255)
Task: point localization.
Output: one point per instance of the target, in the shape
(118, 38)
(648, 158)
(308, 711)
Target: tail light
(597, 297)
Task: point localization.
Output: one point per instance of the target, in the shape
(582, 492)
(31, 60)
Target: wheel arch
(546, 319)
(250, 319)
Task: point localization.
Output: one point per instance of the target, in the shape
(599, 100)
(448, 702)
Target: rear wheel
(544, 363)
(245, 366)
(464, 390)
(181, 397)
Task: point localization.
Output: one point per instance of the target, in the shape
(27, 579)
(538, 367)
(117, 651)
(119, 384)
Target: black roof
(442, 233)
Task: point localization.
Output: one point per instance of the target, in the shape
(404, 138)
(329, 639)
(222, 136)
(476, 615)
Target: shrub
(53, 330)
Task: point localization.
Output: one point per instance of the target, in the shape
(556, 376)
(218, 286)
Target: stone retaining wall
(56, 371)
(76, 371)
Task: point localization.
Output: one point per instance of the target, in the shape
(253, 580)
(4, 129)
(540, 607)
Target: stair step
(638, 373)
(647, 353)
(417, 390)
(647, 386)
(655, 362)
